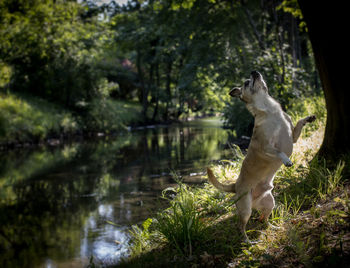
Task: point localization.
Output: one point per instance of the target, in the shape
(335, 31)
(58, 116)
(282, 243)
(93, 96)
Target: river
(60, 205)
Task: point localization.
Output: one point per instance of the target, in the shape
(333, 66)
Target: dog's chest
(273, 130)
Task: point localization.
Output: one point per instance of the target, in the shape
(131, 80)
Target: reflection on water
(60, 206)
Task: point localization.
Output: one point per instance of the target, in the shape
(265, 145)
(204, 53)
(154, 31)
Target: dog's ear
(235, 92)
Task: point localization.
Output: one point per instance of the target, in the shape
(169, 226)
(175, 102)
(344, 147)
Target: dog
(271, 146)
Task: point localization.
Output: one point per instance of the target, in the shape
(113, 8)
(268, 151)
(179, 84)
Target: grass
(25, 118)
(181, 223)
(312, 214)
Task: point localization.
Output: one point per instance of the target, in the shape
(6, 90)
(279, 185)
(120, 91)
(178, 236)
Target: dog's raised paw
(311, 118)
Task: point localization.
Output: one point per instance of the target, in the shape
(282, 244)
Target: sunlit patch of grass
(24, 118)
(141, 237)
(310, 106)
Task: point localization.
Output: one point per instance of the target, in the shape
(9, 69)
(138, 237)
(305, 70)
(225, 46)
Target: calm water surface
(61, 205)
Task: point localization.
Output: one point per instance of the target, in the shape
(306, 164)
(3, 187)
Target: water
(61, 205)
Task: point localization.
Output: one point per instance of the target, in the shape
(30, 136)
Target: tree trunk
(155, 112)
(168, 88)
(149, 89)
(144, 89)
(326, 23)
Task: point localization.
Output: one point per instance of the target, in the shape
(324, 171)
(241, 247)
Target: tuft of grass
(309, 184)
(182, 223)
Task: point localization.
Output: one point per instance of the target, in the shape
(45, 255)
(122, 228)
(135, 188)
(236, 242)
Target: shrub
(108, 115)
(237, 117)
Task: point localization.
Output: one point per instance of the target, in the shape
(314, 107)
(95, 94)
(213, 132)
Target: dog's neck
(262, 104)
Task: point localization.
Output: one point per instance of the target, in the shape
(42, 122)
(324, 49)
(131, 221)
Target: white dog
(270, 146)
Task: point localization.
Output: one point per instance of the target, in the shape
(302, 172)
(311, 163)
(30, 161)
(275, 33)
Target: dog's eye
(246, 83)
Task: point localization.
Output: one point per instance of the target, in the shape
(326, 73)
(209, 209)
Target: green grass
(181, 224)
(25, 118)
(311, 213)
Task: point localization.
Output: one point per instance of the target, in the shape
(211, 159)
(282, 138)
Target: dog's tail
(223, 187)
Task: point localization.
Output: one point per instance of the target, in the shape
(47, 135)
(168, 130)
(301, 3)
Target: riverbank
(28, 121)
(199, 229)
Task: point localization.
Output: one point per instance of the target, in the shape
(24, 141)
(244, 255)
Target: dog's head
(250, 87)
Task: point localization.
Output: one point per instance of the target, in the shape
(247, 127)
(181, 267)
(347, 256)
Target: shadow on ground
(222, 243)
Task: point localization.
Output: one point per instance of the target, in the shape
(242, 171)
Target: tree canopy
(176, 58)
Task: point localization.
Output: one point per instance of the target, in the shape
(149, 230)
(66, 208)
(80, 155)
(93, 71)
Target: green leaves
(51, 49)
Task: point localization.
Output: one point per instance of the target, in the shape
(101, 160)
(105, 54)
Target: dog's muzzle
(255, 74)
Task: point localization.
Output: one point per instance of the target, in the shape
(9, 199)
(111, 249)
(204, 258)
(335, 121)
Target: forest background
(82, 67)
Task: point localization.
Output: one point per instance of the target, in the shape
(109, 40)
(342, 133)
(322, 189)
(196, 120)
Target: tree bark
(326, 23)
(155, 112)
(168, 88)
(144, 89)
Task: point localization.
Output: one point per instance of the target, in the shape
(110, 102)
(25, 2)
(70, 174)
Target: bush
(237, 117)
(108, 115)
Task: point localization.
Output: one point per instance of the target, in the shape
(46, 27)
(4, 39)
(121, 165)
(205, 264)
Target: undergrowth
(24, 118)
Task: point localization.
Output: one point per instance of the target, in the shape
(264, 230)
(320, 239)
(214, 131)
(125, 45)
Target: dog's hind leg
(244, 209)
(299, 126)
(266, 205)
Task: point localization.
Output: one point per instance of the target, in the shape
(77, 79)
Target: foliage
(192, 69)
(238, 118)
(108, 115)
(51, 49)
(141, 238)
(82, 55)
(26, 118)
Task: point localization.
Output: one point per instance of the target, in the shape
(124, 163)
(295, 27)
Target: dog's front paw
(310, 118)
(288, 163)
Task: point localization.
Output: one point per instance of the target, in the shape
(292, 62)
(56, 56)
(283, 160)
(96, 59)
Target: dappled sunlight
(111, 111)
